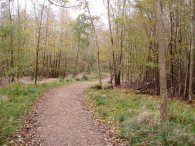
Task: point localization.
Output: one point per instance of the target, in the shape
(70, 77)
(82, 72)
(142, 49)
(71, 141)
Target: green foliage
(81, 30)
(97, 87)
(100, 100)
(69, 80)
(61, 80)
(5, 30)
(85, 78)
(138, 119)
(77, 79)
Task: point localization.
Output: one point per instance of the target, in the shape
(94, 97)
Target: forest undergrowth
(135, 118)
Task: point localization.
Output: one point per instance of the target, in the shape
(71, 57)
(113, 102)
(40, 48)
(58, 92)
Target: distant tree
(39, 21)
(95, 39)
(116, 34)
(81, 29)
(11, 47)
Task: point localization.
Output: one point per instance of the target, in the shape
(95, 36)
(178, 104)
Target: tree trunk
(38, 43)
(192, 50)
(112, 42)
(171, 15)
(77, 58)
(11, 48)
(96, 43)
(162, 60)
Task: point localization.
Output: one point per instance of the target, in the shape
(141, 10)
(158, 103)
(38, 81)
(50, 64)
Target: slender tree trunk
(77, 58)
(190, 95)
(19, 43)
(36, 63)
(186, 86)
(38, 43)
(96, 43)
(65, 67)
(112, 41)
(118, 79)
(59, 63)
(11, 47)
(162, 60)
(171, 47)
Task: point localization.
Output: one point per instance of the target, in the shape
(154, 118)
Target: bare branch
(60, 5)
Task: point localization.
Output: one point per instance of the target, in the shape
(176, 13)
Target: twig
(58, 5)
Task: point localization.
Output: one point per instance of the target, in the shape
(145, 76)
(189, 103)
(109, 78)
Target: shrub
(61, 80)
(69, 80)
(15, 89)
(84, 78)
(77, 79)
(100, 100)
(97, 87)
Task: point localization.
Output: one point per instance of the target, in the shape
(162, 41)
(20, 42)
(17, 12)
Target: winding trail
(64, 120)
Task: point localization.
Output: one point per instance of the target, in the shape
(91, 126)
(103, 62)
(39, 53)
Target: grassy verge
(135, 118)
(16, 99)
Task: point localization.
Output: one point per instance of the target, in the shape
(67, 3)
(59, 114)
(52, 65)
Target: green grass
(136, 118)
(20, 100)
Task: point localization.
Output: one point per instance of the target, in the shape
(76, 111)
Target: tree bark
(96, 43)
(190, 95)
(77, 58)
(162, 60)
(11, 48)
(38, 44)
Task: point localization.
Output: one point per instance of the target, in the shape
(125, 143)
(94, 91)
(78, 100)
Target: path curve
(64, 120)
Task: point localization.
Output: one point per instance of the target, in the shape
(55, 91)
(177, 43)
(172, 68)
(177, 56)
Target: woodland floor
(61, 118)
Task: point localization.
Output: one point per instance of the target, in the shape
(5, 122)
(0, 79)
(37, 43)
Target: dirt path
(64, 121)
